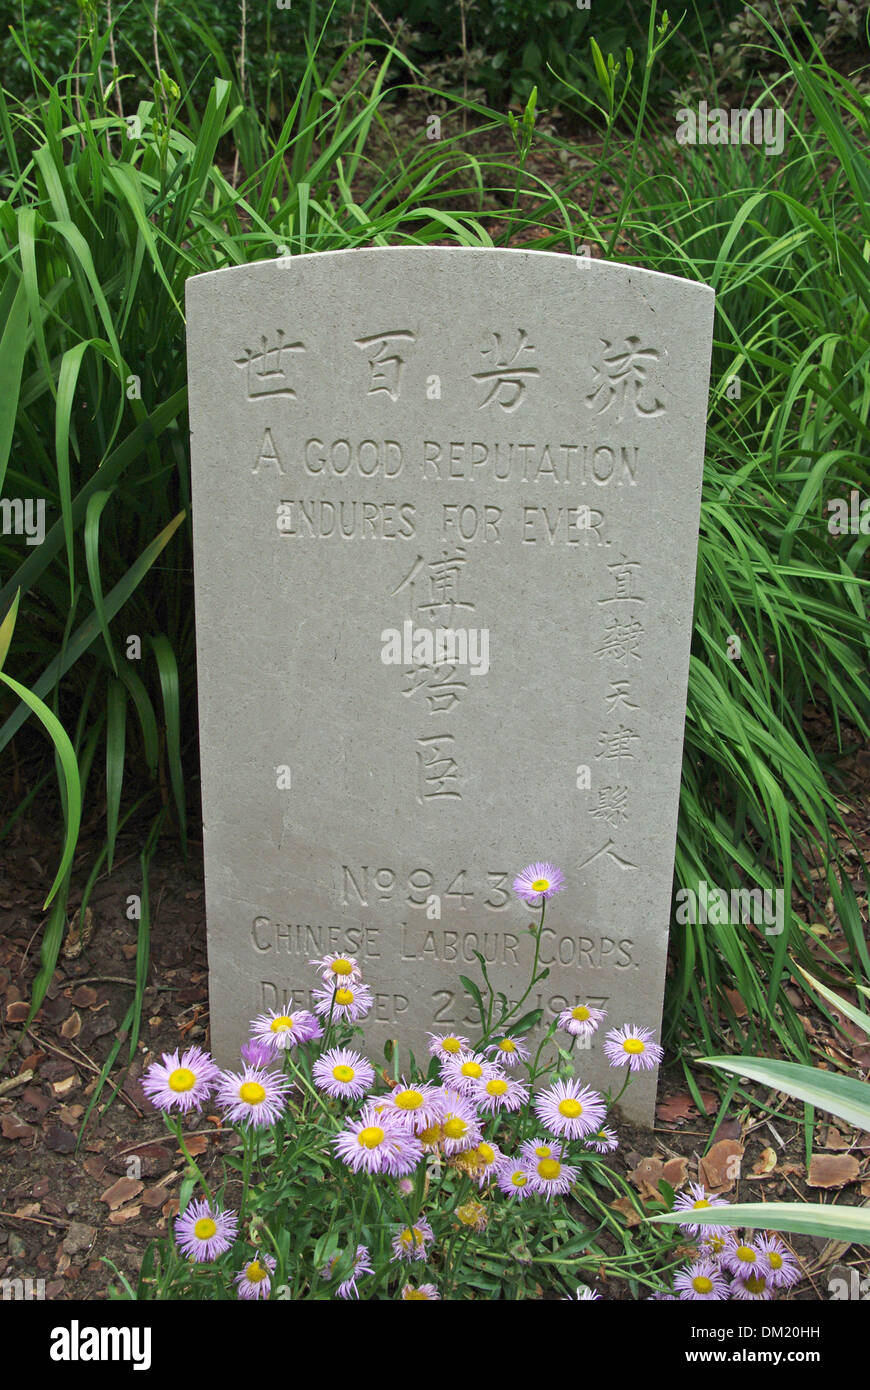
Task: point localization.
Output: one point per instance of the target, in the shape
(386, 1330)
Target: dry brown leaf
(646, 1176)
(122, 1191)
(834, 1139)
(720, 1168)
(676, 1108)
(72, 1026)
(117, 1218)
(675, 1171)
(625, 1208)
(832, 1170)
(196, 1145)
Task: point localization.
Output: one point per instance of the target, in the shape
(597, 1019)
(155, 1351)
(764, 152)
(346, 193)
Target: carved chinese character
(621, 640)
(615, 745)
(439, 773)
(443, 576)
(507, 379)
(443, 690)
(612, 806)
(623, 577)
(618, 695)
(265, 374)
(386, 364)
(622, 378)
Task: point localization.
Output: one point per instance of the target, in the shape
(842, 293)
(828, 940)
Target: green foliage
(515, 45)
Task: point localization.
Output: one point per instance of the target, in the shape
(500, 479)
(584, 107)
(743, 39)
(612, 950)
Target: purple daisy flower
(499, 1093)
(447, 1044)
(742, 1257)
(460, 1127)
(537, 882)
(466, 1069)
(584, 1295)
(703, 1280)
(632, 1047)
(508, 1052)
(343, 1074)
(362, 1264)
(697, 1198)
(337, 969)
(344, 1003)
(415, 1107)
(377, 1143)
(424, 1293)
(254, 1279)
(604, 1140)
(203, 1232)
(180, 1083)
(534, 1149)
(581, 1020)
(550, 1177)
(777, 1261)
(284, 1028)
(412, 1242)
(753, 1288)
(254, 1096)
(514, 1180)
(570, 1108)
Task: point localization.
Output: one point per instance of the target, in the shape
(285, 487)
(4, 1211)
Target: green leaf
(834, 1222)
(839, 1095)
(7, 627)
(13, 345)
(856, 1015)
(70, 767)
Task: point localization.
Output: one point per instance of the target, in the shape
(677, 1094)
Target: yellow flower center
(416, 1295)
(343, 1073)
(633, 1046)
(341, 966)
(774, 1259)
(519, 1178)
(581, 1013)
(701, 1202)
(487, 1153)
(430, 1135)
(205, 1228)
(701, 1284)
(451, 1045)
(256, 1272)
(182, 1079)
(756, 1283)
(281, 1024)
(411, 1236)
(456, 1127)
(471, 1069)
(570, 1108)
(549, 1168)
(344, 996)
(252, 1093)
(408, 1100)
(507, 1045)
(541, 885)
(746, 1254)
(543, 1151)
(370, 1137)
(497, 1086)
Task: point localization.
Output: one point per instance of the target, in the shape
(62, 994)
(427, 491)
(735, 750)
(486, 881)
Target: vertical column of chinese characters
(621, 392)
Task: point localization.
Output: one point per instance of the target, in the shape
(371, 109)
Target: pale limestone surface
(506, 444)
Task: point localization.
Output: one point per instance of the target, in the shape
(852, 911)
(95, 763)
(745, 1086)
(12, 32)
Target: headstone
(503, 447)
